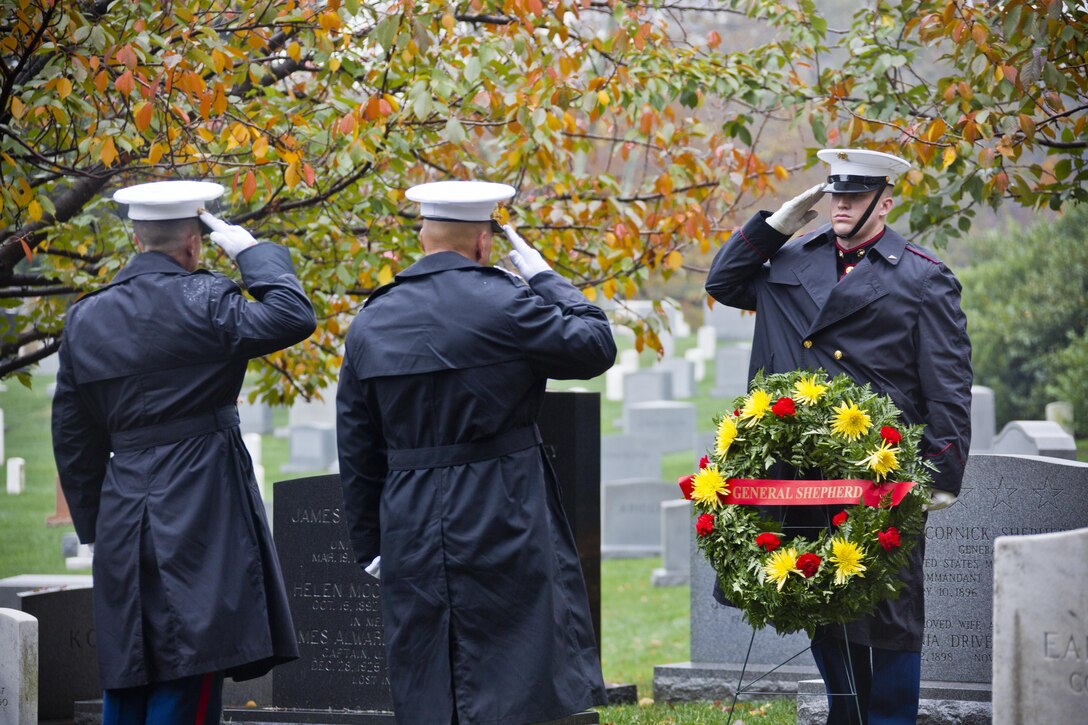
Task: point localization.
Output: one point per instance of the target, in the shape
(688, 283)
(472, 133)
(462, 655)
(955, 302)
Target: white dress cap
(461, 201)
(162, 200)
(860, 170)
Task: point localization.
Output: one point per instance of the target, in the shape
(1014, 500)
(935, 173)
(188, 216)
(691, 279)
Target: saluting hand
(940, 500)
(797, 212)
(231, 238)
(528, 261)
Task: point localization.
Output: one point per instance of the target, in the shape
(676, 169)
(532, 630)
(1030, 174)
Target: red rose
(840, 518)
(704, 462)
(704, 525)
(784, 407)
(807, 564)
(768, 541)
(736, 412)
(891, 435)
(888, 539)
(685, 483)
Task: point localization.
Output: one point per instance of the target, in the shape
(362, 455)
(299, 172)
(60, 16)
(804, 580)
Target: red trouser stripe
(205, 695)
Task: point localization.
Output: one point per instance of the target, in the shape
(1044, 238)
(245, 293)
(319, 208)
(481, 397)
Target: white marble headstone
(18, 668)
(16, 476)
(1040, 645)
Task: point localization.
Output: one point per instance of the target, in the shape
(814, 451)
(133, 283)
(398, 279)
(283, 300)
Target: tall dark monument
(337, 608)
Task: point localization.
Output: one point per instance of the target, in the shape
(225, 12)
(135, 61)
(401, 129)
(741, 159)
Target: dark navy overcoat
(483, 600)
(186, 578)
(894, 321)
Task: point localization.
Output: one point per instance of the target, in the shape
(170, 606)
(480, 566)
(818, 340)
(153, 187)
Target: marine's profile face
(847, 209)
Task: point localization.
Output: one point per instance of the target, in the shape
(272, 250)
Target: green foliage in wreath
(824, 429)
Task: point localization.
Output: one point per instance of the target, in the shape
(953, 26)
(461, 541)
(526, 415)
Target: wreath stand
(743, 689)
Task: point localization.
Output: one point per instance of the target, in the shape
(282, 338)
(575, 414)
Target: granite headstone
(18, 668)
(668, 425)
(682, 371)
(730, 323)
(641, 386)
(1035, 438)
(731, 370)
(629, 456)
(312, 447)
(675, 542)
(335, 606)
(1040, 668)
(983, 419)
(631, 517)
(67, 651)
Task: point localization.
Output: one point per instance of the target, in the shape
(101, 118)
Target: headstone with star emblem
(1001, 496)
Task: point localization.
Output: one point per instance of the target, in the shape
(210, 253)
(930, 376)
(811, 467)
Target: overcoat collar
(437, 262)
(836, 298)
(149, 263)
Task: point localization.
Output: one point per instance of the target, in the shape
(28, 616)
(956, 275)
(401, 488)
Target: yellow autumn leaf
(948, 157)
(260, 147)
(590, 293)
(385, 276)
(603, 99)
(108, 154)
(674, 260)
(35, 210)
(64, 87)
(294, 50)
(609, 288)
(291, 176)
(18, 108)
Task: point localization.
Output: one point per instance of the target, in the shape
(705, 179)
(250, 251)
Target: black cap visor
(495, 226)
(848, 184)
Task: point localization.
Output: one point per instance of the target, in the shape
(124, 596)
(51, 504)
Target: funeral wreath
(857, 459)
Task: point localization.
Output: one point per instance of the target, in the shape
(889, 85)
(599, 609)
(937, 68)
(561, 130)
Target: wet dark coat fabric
(186, 578)
(895, 322)
(484, 605)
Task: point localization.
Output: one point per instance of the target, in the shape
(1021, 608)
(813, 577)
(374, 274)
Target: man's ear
(483, 247)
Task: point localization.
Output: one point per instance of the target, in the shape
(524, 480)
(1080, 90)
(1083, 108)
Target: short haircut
(166, 236)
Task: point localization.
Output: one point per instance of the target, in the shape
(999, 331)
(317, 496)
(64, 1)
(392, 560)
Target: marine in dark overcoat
(186, 578)
(486, 613)
(894, 321)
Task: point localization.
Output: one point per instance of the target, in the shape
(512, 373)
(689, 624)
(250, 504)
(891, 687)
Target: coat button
(838, 354)
(807, 344)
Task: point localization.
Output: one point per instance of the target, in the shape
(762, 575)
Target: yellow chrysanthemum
(846, 556)
(706, 486)
(727, 433)
(808, 391)
(882, 460)
(756, 406)
(780, 565)
(850, 421)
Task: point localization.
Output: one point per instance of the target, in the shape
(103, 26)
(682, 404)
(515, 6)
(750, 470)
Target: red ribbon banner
(773, 492)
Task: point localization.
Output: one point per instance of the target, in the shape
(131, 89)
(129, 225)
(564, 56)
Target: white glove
(374, 568)
(233, 239)
(940, 500)
(797, 212)
(528, 261)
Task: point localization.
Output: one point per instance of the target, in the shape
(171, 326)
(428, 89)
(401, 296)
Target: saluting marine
(448, 495)
(855, 297)
(187, 585)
